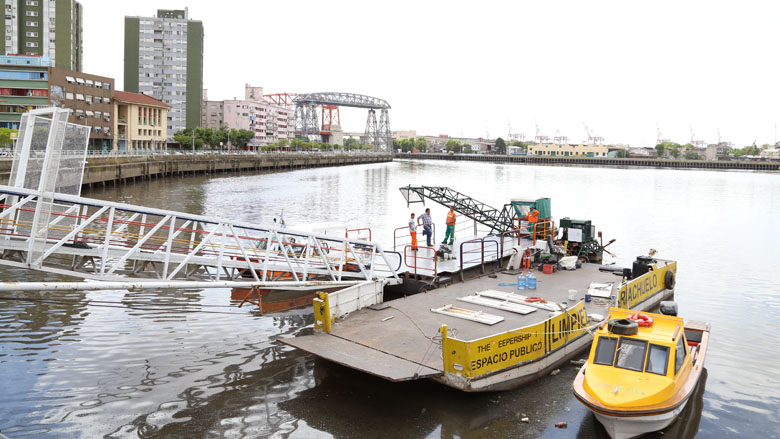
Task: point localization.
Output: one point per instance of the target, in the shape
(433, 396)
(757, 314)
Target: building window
(32, 13)
(90, 83)
(31, 23)
(79, 97)
(69, 95)
(31, 44)
(107, 86)
(32, 34)
(89, 99)
(98, 84)
(98, 114)
(80, 81)
(32, 3)
(70, 79)
(106, 100)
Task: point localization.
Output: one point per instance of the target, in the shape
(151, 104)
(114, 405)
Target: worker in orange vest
(450, 226)
(533, 218)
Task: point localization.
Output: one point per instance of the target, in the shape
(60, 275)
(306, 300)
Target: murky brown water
(190, 364)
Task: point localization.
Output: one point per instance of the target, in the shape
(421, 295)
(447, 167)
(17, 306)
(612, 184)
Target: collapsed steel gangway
(46, 225)
(499, 221)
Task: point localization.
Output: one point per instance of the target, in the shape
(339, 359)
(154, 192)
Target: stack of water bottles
(526, 280)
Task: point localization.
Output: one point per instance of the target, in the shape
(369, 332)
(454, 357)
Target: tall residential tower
(49, 28)
(164, 60)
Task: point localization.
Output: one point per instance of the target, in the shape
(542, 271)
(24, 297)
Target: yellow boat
(642, 369)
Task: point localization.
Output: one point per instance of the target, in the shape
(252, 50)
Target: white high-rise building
(164, 60)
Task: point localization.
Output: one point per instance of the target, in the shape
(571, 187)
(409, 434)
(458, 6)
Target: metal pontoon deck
(403, 339)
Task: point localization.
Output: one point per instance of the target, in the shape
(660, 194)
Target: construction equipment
(581, 236)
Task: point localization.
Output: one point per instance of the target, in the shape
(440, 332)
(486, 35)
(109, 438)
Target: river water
(168, 363)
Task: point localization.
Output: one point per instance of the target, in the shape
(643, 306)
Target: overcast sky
(473, 68)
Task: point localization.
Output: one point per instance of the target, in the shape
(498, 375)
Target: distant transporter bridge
(307, 123)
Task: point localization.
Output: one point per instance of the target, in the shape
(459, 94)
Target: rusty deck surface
(407, 330)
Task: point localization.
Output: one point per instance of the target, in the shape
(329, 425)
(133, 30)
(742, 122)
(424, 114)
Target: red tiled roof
(138, 98)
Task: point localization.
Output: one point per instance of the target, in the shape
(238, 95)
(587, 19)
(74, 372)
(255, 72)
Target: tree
(240, 138)
(691, 155)
(184, 138)
(453, 145)
(421, 144)
(748, 150)
(500, 146)
(5, 136)
(659, 149)
(467, 148)
(621, 154)
(351, 143)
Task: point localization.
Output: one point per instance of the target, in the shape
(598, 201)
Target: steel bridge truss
(109, 241)
(499, 221)
(377, 134)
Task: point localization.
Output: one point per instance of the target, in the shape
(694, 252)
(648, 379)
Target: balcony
(122, 121)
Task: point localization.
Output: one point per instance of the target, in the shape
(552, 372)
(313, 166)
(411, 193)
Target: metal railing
(412, 254)
(358, 232)
(401, 239)
(105, 240)
(480, 253)
(540, 229)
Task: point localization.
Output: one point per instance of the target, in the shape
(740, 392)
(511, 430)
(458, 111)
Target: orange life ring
(534, 299)
(641, 319)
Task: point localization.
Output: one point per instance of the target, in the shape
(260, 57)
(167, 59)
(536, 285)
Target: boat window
(657, 359)
(679, 356)
(631, 354)
(605, 351)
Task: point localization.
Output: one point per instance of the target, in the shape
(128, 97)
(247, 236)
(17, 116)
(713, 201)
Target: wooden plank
(360, 357)
(518, 298)
(468, 314)
(504, 305)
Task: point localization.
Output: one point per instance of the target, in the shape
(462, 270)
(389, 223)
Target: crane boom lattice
(499, 221)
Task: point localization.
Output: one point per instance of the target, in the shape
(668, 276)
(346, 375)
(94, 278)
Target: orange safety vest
(533, 217)
(450, 218)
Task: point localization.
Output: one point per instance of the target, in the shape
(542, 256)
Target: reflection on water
(190, 364)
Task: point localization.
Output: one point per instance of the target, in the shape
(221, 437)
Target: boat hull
(626, 427)
(526, 372)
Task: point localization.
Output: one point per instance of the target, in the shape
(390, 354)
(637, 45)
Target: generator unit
(588, 230)
(581, 238)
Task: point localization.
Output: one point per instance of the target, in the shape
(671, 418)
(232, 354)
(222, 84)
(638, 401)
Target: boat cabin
(643, 368)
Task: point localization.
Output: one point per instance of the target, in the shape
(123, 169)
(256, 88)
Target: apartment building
(269, 122)
(24, 86)
(50, 28)
(164, 60)
(140, 123)
(567, 150)
(91, 99)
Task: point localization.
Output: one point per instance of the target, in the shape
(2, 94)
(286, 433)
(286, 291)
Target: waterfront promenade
(597, 161)
(101, 170)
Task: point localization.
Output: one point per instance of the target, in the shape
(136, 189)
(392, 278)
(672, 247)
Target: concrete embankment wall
(102, 170)
(595, 161)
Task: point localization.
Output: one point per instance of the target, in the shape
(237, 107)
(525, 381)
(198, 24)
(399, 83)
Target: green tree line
(213, 138)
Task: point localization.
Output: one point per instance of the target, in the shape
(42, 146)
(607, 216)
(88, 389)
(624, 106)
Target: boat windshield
(631, 354)
(657, 359)
(605, 351)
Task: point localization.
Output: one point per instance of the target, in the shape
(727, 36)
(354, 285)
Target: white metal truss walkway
(101, 240)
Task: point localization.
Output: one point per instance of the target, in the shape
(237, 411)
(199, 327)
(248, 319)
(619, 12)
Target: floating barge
(481, 334)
